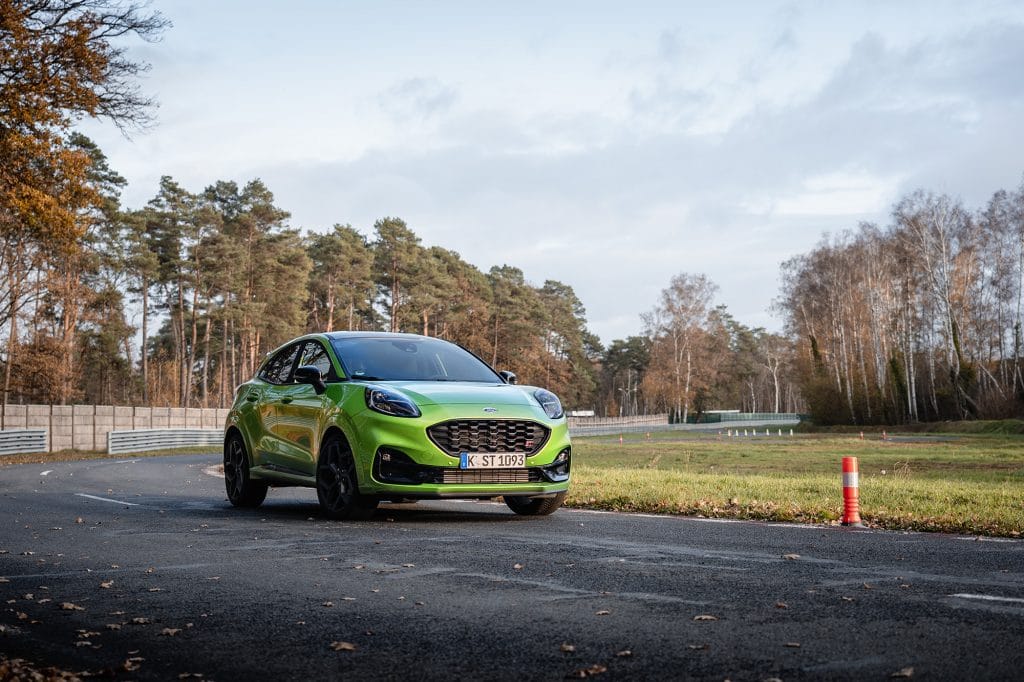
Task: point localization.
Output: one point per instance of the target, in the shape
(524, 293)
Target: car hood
(463, 393)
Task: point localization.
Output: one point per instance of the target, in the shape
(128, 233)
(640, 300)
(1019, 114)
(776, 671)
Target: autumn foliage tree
(60, 61)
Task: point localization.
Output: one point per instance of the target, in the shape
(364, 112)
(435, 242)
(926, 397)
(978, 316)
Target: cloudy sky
(608, 145)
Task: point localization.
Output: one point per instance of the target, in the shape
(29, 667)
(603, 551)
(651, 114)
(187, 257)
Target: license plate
(503, 460)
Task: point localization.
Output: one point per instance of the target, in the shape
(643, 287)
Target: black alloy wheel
(337, 486)
(242, 490)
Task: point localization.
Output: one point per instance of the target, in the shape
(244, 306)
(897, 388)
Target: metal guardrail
(141, 440)
(14, 441)
(583, 431)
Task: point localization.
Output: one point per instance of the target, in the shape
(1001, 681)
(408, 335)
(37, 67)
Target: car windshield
(409, 359)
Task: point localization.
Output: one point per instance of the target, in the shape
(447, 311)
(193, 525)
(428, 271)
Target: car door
(274, 451)
(301, 413)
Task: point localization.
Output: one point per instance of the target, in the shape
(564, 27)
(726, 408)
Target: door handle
(287, 400)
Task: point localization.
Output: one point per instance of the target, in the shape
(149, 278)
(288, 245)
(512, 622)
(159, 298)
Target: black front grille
(488, 435)
(491, 476)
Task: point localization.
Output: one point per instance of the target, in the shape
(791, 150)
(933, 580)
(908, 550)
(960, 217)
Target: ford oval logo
(490, 409)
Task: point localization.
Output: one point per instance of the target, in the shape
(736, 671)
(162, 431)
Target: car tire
(242, 490)
(534, 506)
(337, 485)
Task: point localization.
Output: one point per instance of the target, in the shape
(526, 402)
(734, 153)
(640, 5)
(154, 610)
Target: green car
(371, 416)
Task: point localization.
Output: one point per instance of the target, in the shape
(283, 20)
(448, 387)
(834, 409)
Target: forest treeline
(916, 321)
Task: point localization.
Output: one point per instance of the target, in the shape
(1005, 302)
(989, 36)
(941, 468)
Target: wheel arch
(233, 430)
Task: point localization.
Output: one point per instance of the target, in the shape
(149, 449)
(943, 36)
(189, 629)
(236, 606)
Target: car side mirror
(509, 377)
(308, 374)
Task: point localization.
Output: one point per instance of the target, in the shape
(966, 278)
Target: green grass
(965, 484)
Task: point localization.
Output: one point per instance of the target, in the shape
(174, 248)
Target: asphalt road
(141, 567)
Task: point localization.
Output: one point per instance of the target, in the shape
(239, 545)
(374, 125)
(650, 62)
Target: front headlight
(388, 401)
(549, 403)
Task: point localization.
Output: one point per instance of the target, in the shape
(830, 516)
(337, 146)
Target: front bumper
(397, 458)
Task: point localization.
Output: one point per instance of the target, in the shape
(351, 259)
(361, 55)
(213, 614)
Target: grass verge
(968, 484)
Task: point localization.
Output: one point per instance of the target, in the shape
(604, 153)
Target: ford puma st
(371, 416)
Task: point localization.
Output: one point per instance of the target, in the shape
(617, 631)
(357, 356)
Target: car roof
(373, 335)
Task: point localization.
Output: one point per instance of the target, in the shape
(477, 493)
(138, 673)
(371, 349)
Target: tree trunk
(145, 353)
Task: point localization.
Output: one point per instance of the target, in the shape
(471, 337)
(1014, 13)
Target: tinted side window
(316, 355)
(279, 369)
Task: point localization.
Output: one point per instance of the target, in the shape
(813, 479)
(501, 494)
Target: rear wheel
(534, 506)
(242, 490)
(337, 486)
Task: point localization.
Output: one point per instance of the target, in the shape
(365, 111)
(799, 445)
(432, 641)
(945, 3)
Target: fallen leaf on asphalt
(156, 589)
(116, 613)
(79, 520)
(583, 673)
(602, 612)
(56, 528)
(86, 634)
(518, 567)
(27, 553)
(847, 598)
(792, 645)
(28, 596)
(4, 580)
(81, 643)
(132, 664)
(140, 621)
(375, 591)
(114, 566)
(408, 565)
(328, 604)
(697, 647)
(359, 567)
(419, 603)
(567, 648)
(113, 626)
(150, 570)
(44, 601)
(705, 616)
(170, 632)
(868, 587)
(625, 653)
(781, 605)
(348, 599)
(107, 584)
(904, 586)
(343, 646)
(904, 673)
(791, 557)
(68, 606)
(185, 676)
(22, 616)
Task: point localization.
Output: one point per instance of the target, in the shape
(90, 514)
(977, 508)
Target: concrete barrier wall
(85, 427)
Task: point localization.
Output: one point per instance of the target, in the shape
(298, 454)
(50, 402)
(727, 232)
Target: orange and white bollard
(851, 493)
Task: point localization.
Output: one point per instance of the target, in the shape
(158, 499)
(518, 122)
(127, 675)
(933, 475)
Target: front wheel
(337, 486)
(534, 506)
(242, 490)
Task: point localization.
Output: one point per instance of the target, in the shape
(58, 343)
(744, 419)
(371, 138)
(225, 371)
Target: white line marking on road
(126, 461)
(106, 499)
(989, 597)
(979, 538)
(46, 473)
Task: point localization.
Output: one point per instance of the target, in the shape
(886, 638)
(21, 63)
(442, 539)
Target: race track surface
(142, 568)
